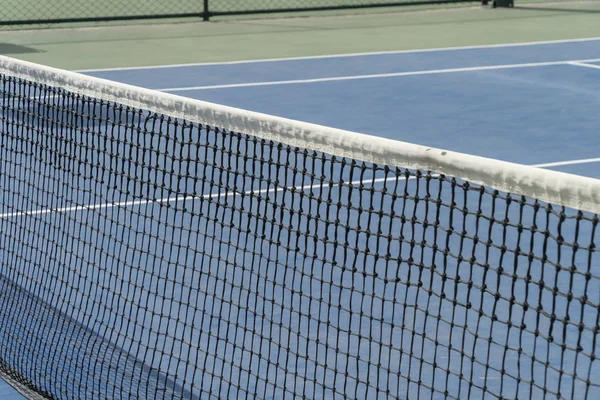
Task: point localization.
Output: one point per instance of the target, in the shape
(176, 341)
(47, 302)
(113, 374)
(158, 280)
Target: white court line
(377, 76)
(349, 55)
(175, 199)
(372, 76)
(583, 64)
(572, 162)
(184, 198)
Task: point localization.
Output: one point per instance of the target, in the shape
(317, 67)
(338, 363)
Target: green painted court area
(129, 44)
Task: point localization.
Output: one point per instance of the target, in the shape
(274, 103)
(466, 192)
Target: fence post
(205, 13)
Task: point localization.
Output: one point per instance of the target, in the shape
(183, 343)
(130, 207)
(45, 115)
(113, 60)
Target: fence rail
(32, 12)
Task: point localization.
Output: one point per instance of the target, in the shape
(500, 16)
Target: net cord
(557, 188)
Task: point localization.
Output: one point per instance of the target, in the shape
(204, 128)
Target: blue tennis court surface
(529, 106)
(533, 104)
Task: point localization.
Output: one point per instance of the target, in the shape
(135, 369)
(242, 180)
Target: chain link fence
(31, 12)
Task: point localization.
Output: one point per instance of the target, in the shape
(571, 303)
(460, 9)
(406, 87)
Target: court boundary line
(379, 76)
(584, 64)
(347, 55)
(228, 193)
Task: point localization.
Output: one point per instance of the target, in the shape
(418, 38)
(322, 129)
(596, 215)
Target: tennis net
(154, 246)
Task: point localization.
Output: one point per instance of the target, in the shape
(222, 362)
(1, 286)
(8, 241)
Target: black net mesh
(143, 256)
(34, 11)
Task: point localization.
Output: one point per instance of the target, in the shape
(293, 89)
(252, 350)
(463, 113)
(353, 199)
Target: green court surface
(243, 39)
